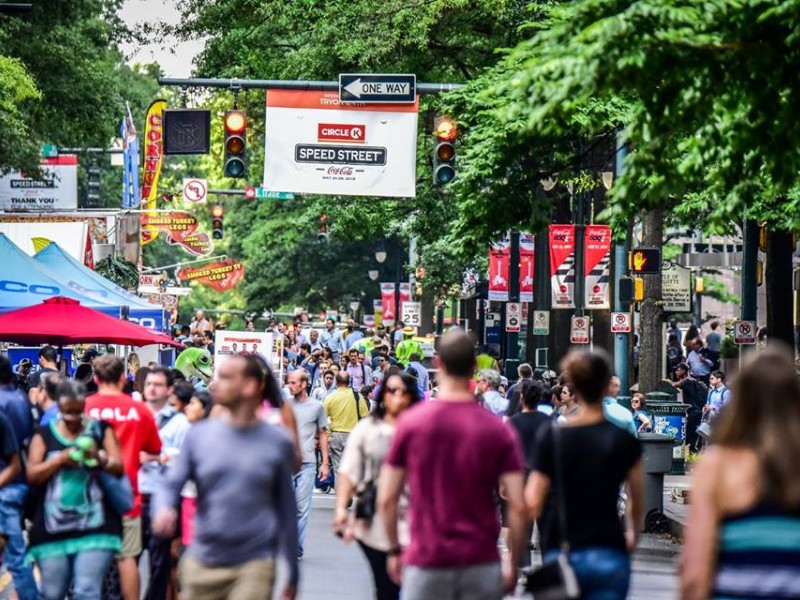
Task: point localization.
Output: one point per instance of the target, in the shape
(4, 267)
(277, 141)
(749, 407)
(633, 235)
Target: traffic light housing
(217, 216)
(445, 132)
(235, 125)
(322, 234)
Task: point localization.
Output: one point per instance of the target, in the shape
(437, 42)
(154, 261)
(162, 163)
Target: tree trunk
(651, 344)
(428, 309)
(778, 280)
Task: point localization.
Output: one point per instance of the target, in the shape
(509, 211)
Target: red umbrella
(62, 321)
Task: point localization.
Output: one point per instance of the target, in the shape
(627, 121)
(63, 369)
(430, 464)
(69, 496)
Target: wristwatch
(395, 551)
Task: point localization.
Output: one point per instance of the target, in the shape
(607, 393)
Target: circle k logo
(348, 133)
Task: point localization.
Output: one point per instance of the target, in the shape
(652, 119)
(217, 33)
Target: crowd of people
(430, 470)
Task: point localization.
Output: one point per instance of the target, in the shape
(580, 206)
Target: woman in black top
(594, 458)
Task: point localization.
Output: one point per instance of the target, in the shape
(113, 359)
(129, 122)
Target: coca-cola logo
(340, 170)
(560, 237)
(332, 132)
(596, 237)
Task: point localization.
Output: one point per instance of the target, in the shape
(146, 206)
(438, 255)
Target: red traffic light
(235, 121)
(445, 129)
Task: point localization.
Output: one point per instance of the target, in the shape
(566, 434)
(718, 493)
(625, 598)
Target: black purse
(554, 580)
(366, 501)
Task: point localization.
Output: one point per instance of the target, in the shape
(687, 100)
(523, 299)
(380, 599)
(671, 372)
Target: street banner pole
(621, 340)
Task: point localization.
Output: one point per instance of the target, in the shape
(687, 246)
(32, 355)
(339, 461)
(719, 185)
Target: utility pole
(621, 249)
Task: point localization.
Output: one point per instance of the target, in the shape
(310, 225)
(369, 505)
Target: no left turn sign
(195, 190)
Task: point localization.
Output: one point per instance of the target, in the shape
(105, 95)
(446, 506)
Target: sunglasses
(394, 390)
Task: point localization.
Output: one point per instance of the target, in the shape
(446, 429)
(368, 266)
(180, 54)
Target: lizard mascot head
(195, 364)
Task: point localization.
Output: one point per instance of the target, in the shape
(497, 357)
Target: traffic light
(630, 289)
(445, 133)
(645, 261)
(217, 215)
(93, 186)
(235, 125)
(322, 234)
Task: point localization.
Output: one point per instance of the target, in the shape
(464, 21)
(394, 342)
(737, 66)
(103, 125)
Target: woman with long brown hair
(743, 535)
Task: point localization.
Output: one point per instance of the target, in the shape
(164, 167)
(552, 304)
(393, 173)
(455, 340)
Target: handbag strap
(561, 502)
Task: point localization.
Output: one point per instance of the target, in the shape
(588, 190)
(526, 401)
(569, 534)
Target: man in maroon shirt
(136, 430)
(453, 455)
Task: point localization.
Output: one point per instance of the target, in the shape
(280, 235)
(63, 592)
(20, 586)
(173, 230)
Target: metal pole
(541, 289)
(423, 89)
(621, 340)
(512, 341)
(749, 267)
(398, 278)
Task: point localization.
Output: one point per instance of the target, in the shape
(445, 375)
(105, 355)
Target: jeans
(84, 570)
(603, 573)
(12, 499)
(303, 491)
(159, 551)
(385, 588)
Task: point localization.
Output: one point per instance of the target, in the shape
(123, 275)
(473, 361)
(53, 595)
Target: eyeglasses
(394, 390)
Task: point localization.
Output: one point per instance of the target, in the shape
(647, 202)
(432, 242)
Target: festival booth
(59, 261)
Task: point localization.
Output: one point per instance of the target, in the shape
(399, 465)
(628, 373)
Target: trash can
(625, 401)
(669, 418)
(656, 461)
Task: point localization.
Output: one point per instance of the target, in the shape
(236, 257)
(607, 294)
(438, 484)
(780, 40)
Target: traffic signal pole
(424, 89)
(621, 340)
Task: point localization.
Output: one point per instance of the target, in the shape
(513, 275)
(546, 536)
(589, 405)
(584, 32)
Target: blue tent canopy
(82, 279)
(24, 282)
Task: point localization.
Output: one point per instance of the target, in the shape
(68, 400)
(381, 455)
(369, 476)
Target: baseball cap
(25, 362)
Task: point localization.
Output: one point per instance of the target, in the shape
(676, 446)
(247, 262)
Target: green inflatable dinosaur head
(195, 364)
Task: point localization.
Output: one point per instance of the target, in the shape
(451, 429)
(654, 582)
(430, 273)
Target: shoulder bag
(358, 404)
(555, 580)
(117, 490)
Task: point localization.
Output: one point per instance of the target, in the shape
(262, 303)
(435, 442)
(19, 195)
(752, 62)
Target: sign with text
(513, 317)
(744, 332)
(315, 144)
(597, 260)
(579, 332)
(56, 189)
(620, 322)
(676, 287)
(411, 314)
(220, 276)
(499, 265)
(386, 88)
(562, 266)
(242, 343)
(541, 322)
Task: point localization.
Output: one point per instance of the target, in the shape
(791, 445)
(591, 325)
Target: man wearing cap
(23, 373)
(407, 347)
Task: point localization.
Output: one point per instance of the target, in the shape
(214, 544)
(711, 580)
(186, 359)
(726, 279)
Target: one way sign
(380, 89)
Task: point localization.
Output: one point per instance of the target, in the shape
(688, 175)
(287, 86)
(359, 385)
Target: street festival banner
(387, 302)
(220, 276)
(562, 266)
(526, 262)
(57, 189)
(130, 161)
(597, 262)
(500, 266)
(316, 145)
(181, 230)
(153, 161)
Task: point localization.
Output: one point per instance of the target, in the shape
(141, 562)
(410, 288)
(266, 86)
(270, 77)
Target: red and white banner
(315, 145)
(597, 261)
(387, 302)
(526, 262)
(88, 254)
(405, 292)
(562, 266)
(499, 265)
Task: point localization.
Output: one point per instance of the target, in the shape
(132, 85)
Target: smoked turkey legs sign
(314, 144)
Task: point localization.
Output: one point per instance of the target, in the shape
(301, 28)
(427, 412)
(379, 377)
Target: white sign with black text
(513, 317)
(620, 322)
(579, 333)
(412, 313)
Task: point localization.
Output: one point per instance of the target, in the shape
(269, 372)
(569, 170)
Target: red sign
(197, 244)
(405, 293)
(387, 301)
(220, 276)
(526, 262)
(350, 134)
(177, 225)
(562, 265)
(88, 255)
(499, 265)
(597, 266)
(250, 193)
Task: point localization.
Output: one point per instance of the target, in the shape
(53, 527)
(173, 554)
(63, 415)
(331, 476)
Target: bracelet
(395, 551)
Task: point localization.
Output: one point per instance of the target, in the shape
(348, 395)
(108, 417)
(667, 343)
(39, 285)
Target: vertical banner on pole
(387, 301)
(405, 293)
(153, 161)
(597, 266)
(499, 265)
(526, 262)
(562, 266)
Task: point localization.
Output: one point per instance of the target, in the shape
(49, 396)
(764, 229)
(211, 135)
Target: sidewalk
(677, 513)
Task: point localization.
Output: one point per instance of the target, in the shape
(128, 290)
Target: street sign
(620, 322)
(513, 317)
(382, 89)
(187, 131)
(676, 287)
(744, 332)
(412, 313)
(541, 322)
(253, 193)
(195, 190)
(645, 261)
(49, 150)
(579, 333)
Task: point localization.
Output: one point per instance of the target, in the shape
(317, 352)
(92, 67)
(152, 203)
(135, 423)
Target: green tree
(17, 93)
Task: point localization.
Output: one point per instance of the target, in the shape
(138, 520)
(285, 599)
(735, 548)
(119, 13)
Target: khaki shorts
(252, 580)
(131, 537)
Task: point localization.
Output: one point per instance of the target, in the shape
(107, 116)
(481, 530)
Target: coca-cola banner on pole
(526, 262)
(598, 266)
(405, 292)
(316, 145)
(562, 266)
(387, 300)
(499, 264)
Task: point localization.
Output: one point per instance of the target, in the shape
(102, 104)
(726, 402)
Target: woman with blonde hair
(743, 535)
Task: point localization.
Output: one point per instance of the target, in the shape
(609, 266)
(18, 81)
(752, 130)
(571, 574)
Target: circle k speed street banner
(316, 145)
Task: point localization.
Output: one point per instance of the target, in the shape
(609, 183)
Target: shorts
(131, 537)
(252, 580)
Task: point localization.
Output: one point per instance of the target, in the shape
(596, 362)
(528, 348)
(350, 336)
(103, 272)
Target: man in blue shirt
(616, 413)
(700, 364)
(718, 396)
(332, 338)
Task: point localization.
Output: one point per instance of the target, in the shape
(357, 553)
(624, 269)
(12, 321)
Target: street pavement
(333, 570)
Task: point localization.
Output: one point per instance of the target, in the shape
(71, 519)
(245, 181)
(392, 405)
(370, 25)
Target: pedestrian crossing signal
(645, 261)
(235, 125)
(445, 132)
